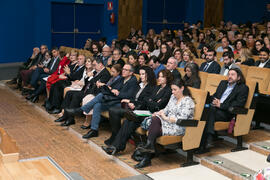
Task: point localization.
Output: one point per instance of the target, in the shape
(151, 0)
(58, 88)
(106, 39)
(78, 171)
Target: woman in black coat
(156, 100)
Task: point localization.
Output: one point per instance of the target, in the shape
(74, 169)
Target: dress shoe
(144, 163)
(148, 148)
(68, 122)
(268, 158)
(54, 111)
(61, 119)
(85, 127)
(13, 81)
(29, 97)
(90, 134)
(74, 111)
(35, 99)
(111, 150)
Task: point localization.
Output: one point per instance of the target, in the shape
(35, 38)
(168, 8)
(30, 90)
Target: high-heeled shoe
(35, 99)
(30, 97)
(111, 150)
(68, 122)
(148, 148)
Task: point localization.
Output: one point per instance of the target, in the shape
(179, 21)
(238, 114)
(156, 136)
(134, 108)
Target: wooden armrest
(238, 110)
(187, 122)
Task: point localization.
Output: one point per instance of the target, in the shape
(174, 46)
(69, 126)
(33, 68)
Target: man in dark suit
(116, 58)
(73, 99)
(264, 61)
(229, 94)
(210, 66)
(72, 73)
(43, 71)
(171, 66)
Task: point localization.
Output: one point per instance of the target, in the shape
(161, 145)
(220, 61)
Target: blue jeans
(98, 107)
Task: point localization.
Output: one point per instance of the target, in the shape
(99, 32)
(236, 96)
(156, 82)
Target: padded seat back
(212, 82)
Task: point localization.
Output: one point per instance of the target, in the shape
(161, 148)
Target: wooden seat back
(244, 69)
(243, 121)
(199, 61)
(181, 71)
(203, 77)
(219, 55)
(213, 81)
(260, 75)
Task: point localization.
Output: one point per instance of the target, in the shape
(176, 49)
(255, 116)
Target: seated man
(171, 66)
(264, 61)
(230, 93)
(155, 64)
(224, 43)
(126, 90)
(228, 63)
(210, 66)
(116, 58)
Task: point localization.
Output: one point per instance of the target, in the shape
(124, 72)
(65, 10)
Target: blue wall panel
(241, 11)
(26, 24)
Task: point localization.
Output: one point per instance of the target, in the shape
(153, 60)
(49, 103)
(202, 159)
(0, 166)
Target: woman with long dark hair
(165, 53)
(191, 77)
(166, 121)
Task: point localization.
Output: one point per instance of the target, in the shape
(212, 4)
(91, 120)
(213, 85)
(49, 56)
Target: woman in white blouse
(165, 122)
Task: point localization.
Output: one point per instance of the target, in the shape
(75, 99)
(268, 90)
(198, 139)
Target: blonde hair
(245, 54)
(190, 54)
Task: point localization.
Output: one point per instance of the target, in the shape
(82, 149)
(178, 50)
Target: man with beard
(230, 93)
(210, 65)
(228, 63)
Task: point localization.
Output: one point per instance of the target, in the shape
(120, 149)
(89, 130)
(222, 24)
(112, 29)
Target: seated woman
(133, 60)
(143, 60)
(187, 57)
(158, 100)
(116, 74)
(191, 77)
(165, 122)
(245, 57)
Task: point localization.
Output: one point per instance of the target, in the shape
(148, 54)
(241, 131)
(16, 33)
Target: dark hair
(154, 58)
(260, 41)
(103, 39)
(55, 48)
(212, 50)
(242, 79)
(164, 57)
(168, 75)
(132, 53)
(194, 68)
(243, 42)
(96, 44)
(223, 32)
(151, 78)
(228, 48)
(180, 83)
(264, 49)
(229, 54)
(98, 61)
(117, 67)
(145, 57)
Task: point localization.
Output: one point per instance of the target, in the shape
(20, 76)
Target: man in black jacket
(210, 66)
(171, 66)
(229, 94)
